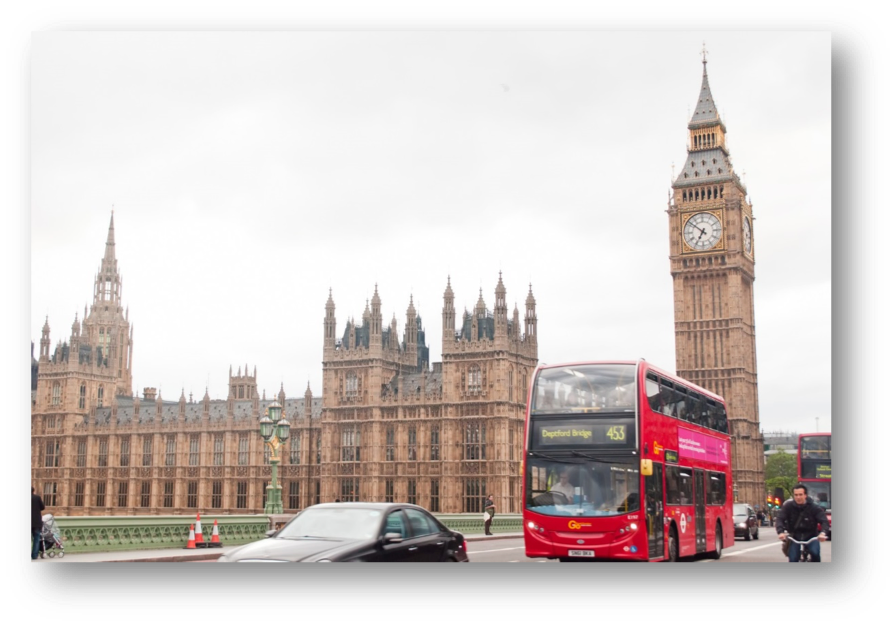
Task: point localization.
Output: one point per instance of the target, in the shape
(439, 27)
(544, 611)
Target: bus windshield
(815, 447)
(585, 388)
(821, 492)
(583, 487)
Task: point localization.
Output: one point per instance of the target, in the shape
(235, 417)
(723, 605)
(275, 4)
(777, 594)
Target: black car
(745, 522)
(357, 532)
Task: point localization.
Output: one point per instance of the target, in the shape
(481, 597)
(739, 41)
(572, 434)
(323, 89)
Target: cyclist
(800, 517)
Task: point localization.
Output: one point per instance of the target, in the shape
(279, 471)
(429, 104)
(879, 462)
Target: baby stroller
(51, 538)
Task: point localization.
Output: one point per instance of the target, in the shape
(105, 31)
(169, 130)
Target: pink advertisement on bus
(702, 447)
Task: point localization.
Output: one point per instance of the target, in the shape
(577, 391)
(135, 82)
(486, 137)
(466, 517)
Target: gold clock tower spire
(713, 268)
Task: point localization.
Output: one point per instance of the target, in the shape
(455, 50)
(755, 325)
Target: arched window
(351, 387)
(57, 394)
(474, 379)
(99, 397)
(82, 397)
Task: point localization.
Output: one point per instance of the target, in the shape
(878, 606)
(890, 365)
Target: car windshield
(333, 522)
(740, 510)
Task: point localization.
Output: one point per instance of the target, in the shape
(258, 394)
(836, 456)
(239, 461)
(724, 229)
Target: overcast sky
(252, 172)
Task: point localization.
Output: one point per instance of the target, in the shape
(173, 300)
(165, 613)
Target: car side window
(420, 523)
(394, 523)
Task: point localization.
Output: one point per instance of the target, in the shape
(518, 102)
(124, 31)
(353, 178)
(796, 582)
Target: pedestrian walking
(37, 523)
(489, 514)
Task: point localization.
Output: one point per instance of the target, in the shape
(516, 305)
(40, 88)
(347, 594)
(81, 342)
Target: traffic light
(770, 500)
(778, 496)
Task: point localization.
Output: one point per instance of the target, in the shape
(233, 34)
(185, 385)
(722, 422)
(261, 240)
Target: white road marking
(512, 548)
(757, 548)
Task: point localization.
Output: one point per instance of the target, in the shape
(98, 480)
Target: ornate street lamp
(275, 432)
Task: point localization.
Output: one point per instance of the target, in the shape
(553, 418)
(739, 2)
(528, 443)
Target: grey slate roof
(410, 382)
(716, 168)
(706, 112)
(217, 410)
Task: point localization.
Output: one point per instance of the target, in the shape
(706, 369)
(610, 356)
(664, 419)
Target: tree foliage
(780, 472)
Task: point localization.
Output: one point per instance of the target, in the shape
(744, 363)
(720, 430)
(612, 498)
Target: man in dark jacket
(800, 517)
(37, 523)
(489, 511)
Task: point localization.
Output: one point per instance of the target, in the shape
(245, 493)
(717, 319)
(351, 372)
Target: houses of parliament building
(389, 425)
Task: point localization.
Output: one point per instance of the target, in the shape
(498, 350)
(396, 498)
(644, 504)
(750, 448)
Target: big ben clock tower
(713, 267)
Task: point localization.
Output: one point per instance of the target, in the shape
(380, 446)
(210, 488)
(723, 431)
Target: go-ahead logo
(575, 525)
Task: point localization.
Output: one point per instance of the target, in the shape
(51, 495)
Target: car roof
(363, 505)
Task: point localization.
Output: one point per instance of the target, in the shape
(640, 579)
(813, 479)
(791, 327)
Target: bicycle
(804, 555)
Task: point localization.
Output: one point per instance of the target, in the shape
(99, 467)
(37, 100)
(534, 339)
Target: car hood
(298, 550)
(740, 516)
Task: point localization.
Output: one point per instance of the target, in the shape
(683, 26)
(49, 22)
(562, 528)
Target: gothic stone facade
(395, 430)
(386, 428)
(713, 268)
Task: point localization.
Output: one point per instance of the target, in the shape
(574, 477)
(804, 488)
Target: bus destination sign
(582, 433)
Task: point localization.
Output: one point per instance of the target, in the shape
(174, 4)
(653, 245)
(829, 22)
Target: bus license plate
(580, 553)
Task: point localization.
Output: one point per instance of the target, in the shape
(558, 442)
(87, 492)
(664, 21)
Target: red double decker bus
(815, 469)
(624, 461)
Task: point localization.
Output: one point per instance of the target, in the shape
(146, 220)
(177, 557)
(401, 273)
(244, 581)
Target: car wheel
(672, 547)
(748, 535)
(719, 543)
(756, 533)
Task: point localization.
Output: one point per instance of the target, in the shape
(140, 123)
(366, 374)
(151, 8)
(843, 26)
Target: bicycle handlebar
(809, 541)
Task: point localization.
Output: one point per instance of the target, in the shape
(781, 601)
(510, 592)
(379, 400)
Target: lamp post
(274, 432)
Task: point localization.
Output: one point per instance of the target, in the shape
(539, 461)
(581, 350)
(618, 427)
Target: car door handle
(440, 543)
(413, 548)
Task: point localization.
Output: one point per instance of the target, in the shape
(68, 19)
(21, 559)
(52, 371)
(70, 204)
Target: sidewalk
(193, 555)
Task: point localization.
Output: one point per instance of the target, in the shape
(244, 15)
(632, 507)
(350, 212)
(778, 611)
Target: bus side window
(653, 396)
(722, 419)
(697, 409)
(686, 485)
(668, 398)
(672, 485)
(680, 402)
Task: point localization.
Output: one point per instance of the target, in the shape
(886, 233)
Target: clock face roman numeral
(702, 231)
(747, 234)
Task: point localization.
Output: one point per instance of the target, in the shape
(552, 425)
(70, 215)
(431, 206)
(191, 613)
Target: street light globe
(283, 430)
(267, 426)
(274, 410)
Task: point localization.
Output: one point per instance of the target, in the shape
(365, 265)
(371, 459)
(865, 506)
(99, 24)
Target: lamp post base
(274, 503)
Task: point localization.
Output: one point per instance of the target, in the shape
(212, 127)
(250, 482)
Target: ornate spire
(448, 292)
(706, 112)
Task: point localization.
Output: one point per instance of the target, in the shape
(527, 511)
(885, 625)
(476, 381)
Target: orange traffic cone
(215, 540)
(191, 543)
(199, 538)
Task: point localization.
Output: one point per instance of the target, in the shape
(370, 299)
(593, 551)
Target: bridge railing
(89, 534)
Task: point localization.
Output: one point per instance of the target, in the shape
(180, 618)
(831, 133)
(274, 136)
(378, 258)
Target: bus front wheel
(672, 546)
(719, 542)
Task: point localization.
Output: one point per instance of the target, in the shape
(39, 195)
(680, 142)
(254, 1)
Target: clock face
(702, 231)
(747, 234)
